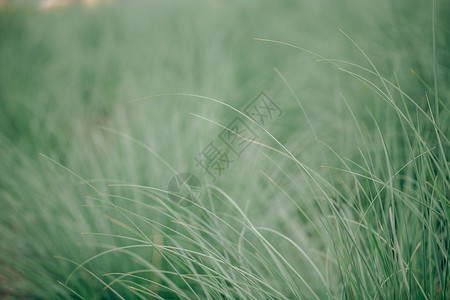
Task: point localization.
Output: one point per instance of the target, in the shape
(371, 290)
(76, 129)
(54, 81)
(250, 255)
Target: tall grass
(344, 196)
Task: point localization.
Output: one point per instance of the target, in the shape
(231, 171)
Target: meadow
(341, 190)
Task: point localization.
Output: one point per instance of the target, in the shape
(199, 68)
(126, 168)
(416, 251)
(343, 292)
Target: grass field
(338, 189)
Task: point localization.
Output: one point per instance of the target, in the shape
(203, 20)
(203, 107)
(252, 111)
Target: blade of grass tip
(430, 89)
(435, 79)
(72, 172)
(117, 222)
(71, 290)
(290, 45)
(131, 274)
(129, 220)
(147, 292)
(371, 63)
(149, 97)
(413, 254)
(126, 284)
(298, 102)
(91, 273)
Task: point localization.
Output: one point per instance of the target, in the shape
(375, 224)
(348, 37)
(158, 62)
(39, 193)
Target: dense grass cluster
(344, 196)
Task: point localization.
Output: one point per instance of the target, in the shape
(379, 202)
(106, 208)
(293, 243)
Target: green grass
(345, 195)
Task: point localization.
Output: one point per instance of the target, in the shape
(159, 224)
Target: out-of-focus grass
(372, 224)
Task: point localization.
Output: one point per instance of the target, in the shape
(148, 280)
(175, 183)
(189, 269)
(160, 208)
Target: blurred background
(105, 90)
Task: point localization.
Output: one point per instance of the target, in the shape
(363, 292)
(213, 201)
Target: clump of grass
(385, 235)
(341, 198)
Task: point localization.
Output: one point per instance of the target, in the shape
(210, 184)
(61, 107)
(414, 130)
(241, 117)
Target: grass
(345, 195)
